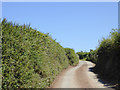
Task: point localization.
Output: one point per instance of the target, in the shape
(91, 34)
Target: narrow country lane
(78, 77)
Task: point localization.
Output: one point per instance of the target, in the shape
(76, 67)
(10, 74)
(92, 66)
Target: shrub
(82, 55)
(72, 56)
(108, 60)
(30, 59)
(92, 56)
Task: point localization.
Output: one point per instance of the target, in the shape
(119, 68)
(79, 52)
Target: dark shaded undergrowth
(107, 59)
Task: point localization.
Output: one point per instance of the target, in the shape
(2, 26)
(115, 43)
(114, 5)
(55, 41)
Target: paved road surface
(78, 77)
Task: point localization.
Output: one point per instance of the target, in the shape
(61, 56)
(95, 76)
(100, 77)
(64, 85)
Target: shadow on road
(107, 84)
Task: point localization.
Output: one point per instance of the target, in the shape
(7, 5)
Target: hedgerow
(108, 59)
(72, 56)
(30, 59)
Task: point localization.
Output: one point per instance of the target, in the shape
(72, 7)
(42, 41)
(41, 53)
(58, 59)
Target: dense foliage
(30, 59)
(72, 56)
(82, 55)
(107, 59)
(92, 56)
(88, 56)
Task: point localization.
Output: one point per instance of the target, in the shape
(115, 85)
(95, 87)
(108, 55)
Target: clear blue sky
(75, 25)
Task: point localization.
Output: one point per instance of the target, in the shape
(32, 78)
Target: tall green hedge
(72, 56)
(108, 59)
(30, 59)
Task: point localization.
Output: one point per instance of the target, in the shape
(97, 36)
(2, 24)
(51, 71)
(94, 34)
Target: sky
(77, 25)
